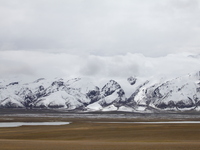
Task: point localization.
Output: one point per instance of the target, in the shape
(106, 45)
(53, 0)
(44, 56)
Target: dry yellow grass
(85, 135)
(94, 145)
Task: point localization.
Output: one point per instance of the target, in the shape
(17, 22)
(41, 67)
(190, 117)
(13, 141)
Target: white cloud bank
(42, 64)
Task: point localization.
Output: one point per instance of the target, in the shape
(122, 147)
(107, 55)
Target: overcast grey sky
(101, 27)
(99, 38)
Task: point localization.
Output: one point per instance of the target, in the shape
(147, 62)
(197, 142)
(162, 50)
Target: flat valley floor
(97, 133)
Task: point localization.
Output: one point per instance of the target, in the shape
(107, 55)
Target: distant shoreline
(113, 115)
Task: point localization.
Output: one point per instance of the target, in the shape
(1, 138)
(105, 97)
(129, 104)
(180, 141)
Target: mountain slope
(181, 93)
(148, 95)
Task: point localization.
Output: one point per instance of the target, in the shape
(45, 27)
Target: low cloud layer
(49, 65)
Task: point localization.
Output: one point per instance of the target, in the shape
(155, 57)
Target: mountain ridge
(79, 94)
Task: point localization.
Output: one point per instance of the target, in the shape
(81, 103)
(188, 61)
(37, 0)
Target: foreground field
(94, 145)
(87, 134)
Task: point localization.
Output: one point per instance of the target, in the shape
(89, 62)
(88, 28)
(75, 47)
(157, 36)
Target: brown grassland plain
(85, 134)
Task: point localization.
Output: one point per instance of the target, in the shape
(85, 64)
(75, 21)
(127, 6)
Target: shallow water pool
(17, 124)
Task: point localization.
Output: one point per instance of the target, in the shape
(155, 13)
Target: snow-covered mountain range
(147, 95)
